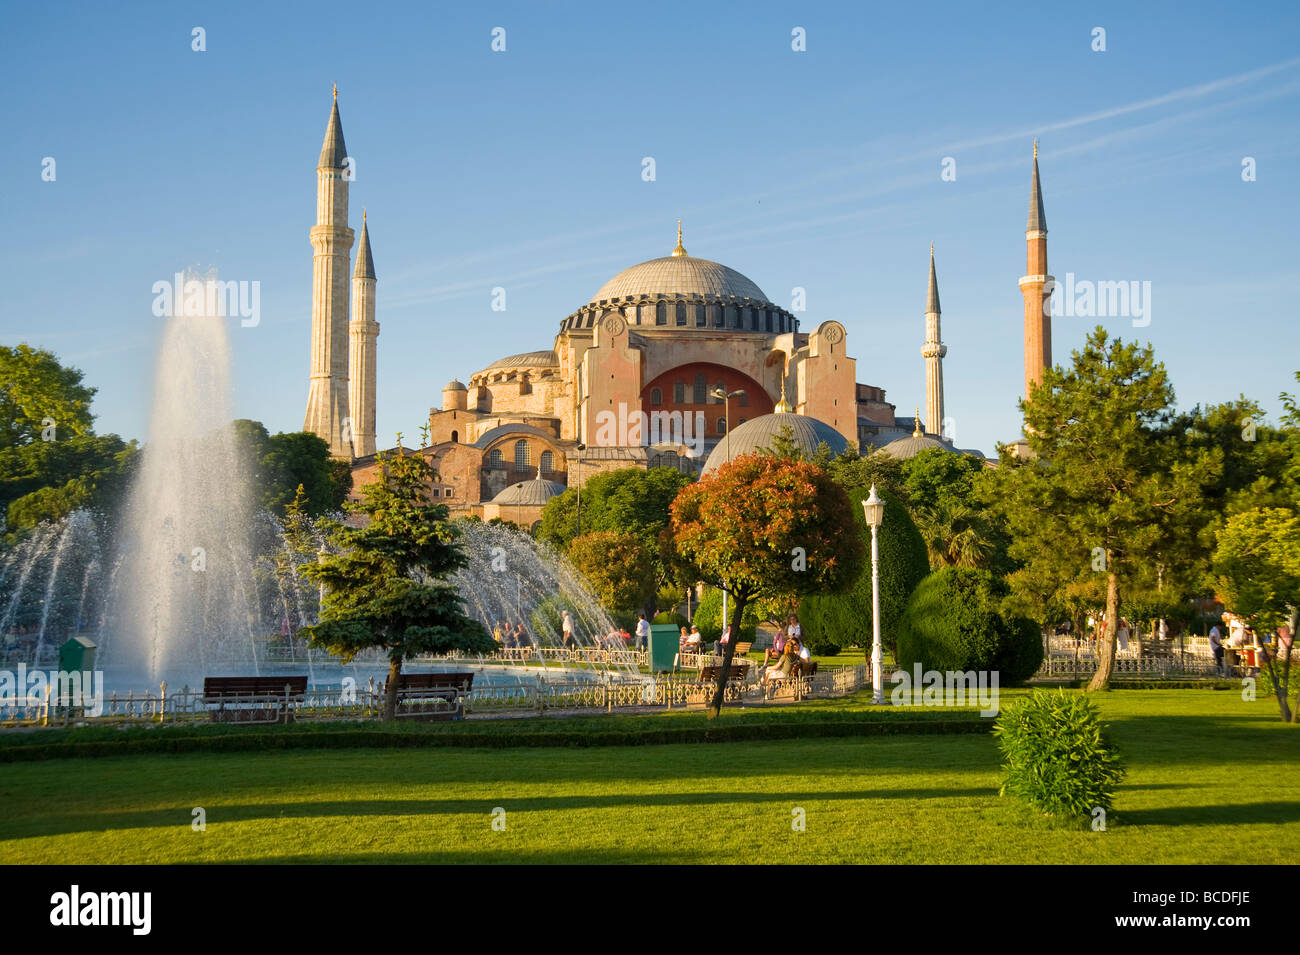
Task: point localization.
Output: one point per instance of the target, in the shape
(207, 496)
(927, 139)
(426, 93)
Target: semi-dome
(454, 385)
(760, 433)
(682, 275)
(532, 493)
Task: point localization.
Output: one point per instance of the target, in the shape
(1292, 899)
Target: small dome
(909, 447)
(532, 493)
(680, 275)
(454, 385)
(758, 434)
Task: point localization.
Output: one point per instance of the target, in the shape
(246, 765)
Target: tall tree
(385, 585)
(1109, 489)
(765, 527)
(621, 571)
(37, 394)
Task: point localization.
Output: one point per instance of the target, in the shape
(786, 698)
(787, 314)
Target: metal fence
(524, 697)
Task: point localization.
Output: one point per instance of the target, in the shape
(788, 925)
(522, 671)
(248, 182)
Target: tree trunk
(390, 689)
(738, 608)
(1279, 681)
(1106, 641)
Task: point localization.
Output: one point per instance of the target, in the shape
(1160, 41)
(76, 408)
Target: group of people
(789, 655)
(1243, 646)
(511, 637)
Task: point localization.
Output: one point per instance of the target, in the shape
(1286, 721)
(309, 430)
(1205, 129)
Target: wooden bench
(253, 699)
(736, 679)
(432, 696)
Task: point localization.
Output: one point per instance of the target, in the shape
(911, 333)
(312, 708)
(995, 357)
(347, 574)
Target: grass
(1210, 780)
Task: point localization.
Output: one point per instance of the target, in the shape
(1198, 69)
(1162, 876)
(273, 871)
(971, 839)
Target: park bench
(432, 696)
(796, 685)
(736, 679)
(253, 699)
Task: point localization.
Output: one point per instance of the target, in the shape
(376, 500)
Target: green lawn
(1211, 779)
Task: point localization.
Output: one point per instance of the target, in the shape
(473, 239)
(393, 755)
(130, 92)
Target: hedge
(838, 620)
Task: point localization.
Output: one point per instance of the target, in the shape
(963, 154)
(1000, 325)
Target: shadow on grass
(180, 818)
(1168, 739)
(1235, 814)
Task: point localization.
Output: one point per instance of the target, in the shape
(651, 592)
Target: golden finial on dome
(916, 428)
(782, 406)
(680, 250)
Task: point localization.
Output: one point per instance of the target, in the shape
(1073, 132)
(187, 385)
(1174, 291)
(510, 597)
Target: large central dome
(679, 275)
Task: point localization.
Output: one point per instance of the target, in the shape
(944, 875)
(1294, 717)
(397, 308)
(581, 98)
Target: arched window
(548, 461)
(767, 321)
(522, 456)
(701, 396)
(718, 318)
(722, 388)
(733, 320)
(455, 437)
(753, 321)
(495, 459)
(656, 397)
(722, 426)
(700, 315)
(661, 313)
(681, 313)
(679, 392)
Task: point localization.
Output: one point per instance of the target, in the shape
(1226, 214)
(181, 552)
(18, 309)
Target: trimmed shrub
(676, 619)
(1021, 653)
(842, 620)
(952, 623)
(1058, 757)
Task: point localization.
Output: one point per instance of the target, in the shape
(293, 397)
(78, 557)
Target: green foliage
(1057, 755)
(1258, 564)
(952, 622)
(284, 462)
(547, 620)
(384, 585)
(36, 392)
(844, 619)
(629, 500)
(708, 617)
(668, 616)
(620, 569)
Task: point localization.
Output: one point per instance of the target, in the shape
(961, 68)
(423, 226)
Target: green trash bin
(77, 654)
(664, 638)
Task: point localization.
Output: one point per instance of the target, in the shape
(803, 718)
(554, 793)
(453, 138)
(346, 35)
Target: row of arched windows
(523, 458)
(700, 393)
(724, 316)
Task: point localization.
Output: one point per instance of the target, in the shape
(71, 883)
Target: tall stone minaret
(327, 399)
(362, 332)
(1038, 321)
(933, 351)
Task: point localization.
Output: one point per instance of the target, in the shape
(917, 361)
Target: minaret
(362, 332)
(1038, 320)
(327, 399)
(933, 351)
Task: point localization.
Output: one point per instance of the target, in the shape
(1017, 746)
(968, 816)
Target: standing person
(642, 632)
(1121, 635)
(566, 624)
(1216, 647)
(521, 636)
(793, 630)
(498, 636)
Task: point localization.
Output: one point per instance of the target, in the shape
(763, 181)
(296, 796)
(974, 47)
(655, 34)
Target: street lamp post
(873, 508)
(726, 412)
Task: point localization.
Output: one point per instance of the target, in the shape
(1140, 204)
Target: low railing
(527, 696)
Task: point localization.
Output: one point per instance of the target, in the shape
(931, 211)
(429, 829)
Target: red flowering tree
(763, 527)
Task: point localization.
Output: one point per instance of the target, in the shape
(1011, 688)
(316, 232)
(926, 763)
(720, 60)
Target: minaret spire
(1036, 285)
(363, 330)
(933, 351)
(681, 249)
(327, 397)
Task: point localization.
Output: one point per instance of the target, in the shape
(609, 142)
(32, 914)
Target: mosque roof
(532, 493)
(759, 433)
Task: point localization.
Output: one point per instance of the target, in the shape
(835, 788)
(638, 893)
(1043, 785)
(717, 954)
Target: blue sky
(522, 169)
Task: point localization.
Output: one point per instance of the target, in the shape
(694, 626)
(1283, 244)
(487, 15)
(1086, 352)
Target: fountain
(192, 579)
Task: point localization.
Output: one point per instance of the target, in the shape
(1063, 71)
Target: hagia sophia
(648, 372)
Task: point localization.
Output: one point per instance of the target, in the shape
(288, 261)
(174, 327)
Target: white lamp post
(874, 510)
(722, 395)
